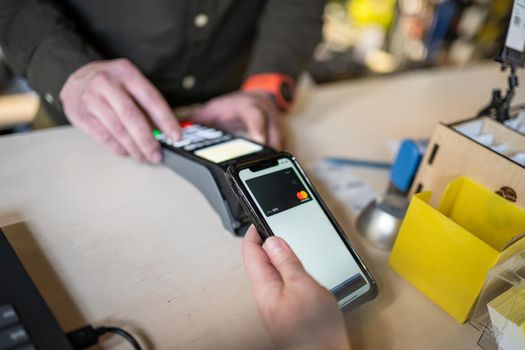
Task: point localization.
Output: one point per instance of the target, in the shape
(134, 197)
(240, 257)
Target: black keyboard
(26, 323)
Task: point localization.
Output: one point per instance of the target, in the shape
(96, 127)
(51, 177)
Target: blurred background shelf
(377, 37)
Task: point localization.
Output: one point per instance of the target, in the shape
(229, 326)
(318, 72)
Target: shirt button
(49, 98)
(200, 20)
(188, 82)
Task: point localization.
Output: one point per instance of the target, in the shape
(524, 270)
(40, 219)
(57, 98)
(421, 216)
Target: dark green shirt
(191, 50)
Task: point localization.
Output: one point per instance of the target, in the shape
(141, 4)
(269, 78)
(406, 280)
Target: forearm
(41, 44)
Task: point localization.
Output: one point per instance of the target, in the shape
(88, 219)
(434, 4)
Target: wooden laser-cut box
(458, 150)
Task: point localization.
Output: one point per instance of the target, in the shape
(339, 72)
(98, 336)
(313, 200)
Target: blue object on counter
(407, 162)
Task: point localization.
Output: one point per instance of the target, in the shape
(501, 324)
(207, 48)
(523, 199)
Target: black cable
(123, 334)
(87, 336)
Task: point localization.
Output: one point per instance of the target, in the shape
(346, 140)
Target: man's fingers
(131, 117)
(109, 119)
(264, 277)
(275, 137)
(252, 236)
(255, 122)
(149, 98)
(204, 115)
(284, 259)
(92, 126)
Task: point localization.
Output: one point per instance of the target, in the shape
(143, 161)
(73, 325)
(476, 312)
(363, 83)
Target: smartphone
(281, 201)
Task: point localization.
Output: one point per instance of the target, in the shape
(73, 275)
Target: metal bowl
(380, 220)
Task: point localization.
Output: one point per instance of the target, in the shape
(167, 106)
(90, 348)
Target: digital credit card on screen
(278, 191)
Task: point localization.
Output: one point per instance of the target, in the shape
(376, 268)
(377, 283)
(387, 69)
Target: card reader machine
(202, 157)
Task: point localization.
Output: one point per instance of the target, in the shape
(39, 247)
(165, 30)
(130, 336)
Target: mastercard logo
(301, 195)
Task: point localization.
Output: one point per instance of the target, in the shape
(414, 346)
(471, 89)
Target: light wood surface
(109, 241)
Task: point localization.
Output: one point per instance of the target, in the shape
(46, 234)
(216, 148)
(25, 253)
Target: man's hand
(297, 311)
(115, 104)
(252, 111)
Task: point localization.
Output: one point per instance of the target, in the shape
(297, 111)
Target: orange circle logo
(302, 195)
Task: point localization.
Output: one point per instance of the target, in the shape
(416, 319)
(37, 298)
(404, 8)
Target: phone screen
(293, 213)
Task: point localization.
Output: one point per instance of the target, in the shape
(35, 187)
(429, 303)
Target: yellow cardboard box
(446, 253)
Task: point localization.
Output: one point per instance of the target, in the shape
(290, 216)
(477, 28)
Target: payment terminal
(202, 156)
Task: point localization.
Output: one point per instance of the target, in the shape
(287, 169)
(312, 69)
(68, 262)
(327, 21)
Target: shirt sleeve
(42, 45)
(288, 32)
